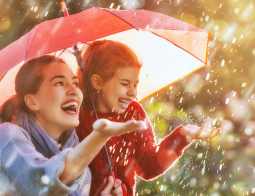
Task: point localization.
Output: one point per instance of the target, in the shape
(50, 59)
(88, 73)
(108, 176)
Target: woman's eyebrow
(58, 76)
(61, 76)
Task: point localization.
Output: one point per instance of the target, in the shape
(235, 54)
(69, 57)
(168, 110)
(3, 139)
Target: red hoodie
(131, 153)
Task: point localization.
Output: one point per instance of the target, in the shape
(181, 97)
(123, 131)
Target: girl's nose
(132, 91)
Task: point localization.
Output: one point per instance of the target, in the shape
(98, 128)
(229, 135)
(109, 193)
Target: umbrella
(170, 49)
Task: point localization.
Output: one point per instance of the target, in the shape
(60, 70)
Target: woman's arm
(80, 157)
(24, 171)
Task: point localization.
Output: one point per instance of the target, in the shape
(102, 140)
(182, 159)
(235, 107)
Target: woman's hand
(195, 132)
(14, 120)
(112, 188)
(109, 128)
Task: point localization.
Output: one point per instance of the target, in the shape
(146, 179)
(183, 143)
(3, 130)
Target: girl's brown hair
(28, 81)
(104, 58)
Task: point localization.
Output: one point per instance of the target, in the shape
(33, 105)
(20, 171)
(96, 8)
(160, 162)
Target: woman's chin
(73, 124)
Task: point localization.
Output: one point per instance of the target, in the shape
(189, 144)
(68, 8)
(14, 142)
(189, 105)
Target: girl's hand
(194, 132)
(108, 128)
(112, 188)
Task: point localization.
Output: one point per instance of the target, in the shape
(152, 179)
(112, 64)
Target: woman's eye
(124, 84)
(59, 84)
(136, 85)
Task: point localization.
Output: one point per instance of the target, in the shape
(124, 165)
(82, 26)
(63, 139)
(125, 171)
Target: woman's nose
(72, 90)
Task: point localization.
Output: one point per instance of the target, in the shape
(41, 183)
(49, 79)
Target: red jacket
(131, 153)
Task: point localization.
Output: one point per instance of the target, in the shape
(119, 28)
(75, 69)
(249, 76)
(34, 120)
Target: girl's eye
(124, 84)
(59, 84)
(76, 84)
(136, 85)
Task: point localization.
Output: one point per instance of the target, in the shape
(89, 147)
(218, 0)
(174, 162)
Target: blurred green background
(222, 95)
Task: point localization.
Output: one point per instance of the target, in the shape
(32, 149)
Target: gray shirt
(24, 171)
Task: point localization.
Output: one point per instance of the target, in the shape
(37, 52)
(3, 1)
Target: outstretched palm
(195, 132)
(109, 128)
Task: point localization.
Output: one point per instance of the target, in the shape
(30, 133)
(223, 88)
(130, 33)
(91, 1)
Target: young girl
(113, 70)
(42, 156)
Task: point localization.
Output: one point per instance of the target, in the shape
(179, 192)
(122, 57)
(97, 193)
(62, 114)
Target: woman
(42, 156)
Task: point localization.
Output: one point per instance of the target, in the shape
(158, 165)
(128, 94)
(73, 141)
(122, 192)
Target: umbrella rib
(179, 46)
(121, 19)
(27, 49)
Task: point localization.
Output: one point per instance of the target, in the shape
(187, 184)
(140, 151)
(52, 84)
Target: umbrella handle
(123, 186)
(63, 6)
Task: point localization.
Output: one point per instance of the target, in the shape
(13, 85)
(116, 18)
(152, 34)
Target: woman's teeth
(71, 107)
(68, 104)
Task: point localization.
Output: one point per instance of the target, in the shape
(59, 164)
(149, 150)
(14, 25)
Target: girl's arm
(80, 157)
(153, 160)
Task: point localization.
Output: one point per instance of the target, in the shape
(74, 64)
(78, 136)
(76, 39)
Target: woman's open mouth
(70, 107)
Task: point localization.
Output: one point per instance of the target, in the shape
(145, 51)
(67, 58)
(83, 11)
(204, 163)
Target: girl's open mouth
(125, 102)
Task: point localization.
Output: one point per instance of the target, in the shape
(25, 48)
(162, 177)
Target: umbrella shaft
(81, 65)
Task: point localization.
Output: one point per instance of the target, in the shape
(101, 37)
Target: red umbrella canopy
(161, 33)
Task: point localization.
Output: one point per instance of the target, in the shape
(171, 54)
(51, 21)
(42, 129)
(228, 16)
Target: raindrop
(220, 5)
(111, 6)
(181, 99)
(222, 62)
(253, 52)
(207, 18)
(216, 185)
(45, 179)
(236, 10)
(234, 40)
(200, 155)
(35, 8)
(248, 131)
(244, 84)
(227, 101)
(151, 100)
(207, 76)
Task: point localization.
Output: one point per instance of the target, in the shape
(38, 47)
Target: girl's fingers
(198, 132)
(215, 133)
(207, 135)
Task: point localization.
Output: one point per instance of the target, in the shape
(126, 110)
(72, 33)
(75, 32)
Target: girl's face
(117, 93)
(58, 99)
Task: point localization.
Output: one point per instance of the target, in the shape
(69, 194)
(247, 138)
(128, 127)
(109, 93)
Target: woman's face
(58, 99)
